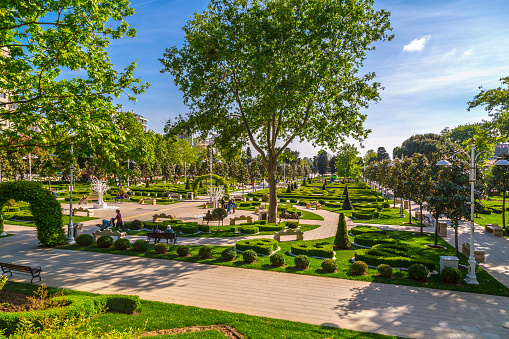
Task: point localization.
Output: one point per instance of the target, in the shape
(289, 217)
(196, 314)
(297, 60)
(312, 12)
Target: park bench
(478, 254)
(156, 217)
(495, 229)
(97, 234)
(289, 231)
(242, 217)
(88, 212)
(260, 209)
(167, 236)
(239, 198)
(175, 196)
(285, 215)
(150, 200)
(35, 272)
(314, 204)
(93, 197)
(208, 219)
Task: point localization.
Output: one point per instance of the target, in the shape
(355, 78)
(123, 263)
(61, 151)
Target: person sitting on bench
(155, 229)
(170, 230)
(119, 223)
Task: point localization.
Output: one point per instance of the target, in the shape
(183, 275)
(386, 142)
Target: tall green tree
(322, 162)
(347, 163)
(58, 76)
(426, 144)
(500, 182)
(272, 71)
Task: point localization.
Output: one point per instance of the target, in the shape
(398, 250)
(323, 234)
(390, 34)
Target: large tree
(347, 162)
(272, 71)
(499, 180)
(322, 162)
(426, 144)
(58, 77)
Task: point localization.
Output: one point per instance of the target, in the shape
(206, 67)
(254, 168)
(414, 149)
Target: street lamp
(471, 277)
(70, 228)
(30, 157)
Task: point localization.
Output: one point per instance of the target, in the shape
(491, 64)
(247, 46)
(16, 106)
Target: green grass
(65, 221)
(487, 284)
(5, 236)
(159, 316)
(221, 234)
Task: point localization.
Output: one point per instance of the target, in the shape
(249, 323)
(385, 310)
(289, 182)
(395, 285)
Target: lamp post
(29, 164)
(70, 232)
(471, 277)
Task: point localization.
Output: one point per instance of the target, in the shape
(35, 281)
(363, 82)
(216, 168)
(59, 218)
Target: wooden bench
(285, 215)
(152, 201)
(260, 209)
(35, 272)
(242, 217)
(314, 204)
(478, 254)
(175, 196)
(298, 233)
(89, 213)
(208, 219)
(162, 235)
(239, 198)
(495, 229)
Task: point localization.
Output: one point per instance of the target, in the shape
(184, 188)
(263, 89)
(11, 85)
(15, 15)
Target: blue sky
(442, 52)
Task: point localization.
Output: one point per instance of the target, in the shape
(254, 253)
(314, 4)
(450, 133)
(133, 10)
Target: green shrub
(219, 213)
(418, 272)
(141, 246)
(161, 248)
(321, 202)
(451, 275)
(262, 246)
(270, 227)
(105, 241)
(204, 228)
(183, 251)
(256, 199)
(245, 204)
(265, 197)
(359, 267)
(249, 229)
(189, 229)
(205, 252)
(263, 222)
(135, 225)
(256, 203)
(302, 261)
(385, 270)
(122, 244)
(342, 240)
(292, 224)
(229, 254)
(293, 201)
(249, 256)
(277, 259)
(85, 240)
(282, 200)
(371, 239)
(366, 229)
(395, 255)
(329, 266)
(127, 304)
(317, 249)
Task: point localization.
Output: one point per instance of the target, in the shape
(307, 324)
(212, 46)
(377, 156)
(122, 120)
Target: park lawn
(65, 221)
(155, 315)
(484, 219)
(221, 234)
(487, 284)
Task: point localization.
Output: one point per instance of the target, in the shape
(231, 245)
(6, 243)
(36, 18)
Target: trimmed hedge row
(261, 246)
(365, 229)
(391, 254)
(318, 249)
(371, 239)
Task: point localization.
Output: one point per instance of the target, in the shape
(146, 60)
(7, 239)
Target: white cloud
(469, 52)
(417, 44)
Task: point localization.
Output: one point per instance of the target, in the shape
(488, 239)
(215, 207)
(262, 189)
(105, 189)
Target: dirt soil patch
(228, 331)
(14, 302)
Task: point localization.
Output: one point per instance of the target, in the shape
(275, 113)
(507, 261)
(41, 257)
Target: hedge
(261, 246)
(365, 229)
(45, 208)
(189, 229)
(249, 229)
(392, 255)
(318, 249)
(204, 228)
(371, 239)
(271, 227)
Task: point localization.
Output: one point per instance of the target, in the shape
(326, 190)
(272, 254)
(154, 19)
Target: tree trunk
(436, 228)
(456, 238)
(420, 216)
(503, 209)
(271, 174)
(409, 211)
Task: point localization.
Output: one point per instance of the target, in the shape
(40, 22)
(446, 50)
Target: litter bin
(189, 195)
(262, 216)
(78, 229)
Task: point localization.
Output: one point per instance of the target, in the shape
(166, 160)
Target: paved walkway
(390, 309)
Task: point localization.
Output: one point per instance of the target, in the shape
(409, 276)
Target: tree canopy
(426, 144)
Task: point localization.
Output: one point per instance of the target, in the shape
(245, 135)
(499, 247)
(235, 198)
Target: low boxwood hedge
(365, 229)
(249, 229)
(260, 246)
(271, 227)
(371, 239)
(189, 229)
(394, 255)
(317, 249)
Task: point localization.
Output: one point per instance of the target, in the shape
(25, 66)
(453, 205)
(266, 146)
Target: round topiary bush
(359, 268)
(135, 225)
(385, 270)
(229, 254)
(183, 251)
(265, 197)
(249, 256)
(219, 213)
(205, 252)
(418, 272)
(105, 241)
(329, 266)
(277, 259)
(85, 240)
(451, 275)
(161, 248)
(141, 246)
(292, 224)
(122, 244)
(302, 261)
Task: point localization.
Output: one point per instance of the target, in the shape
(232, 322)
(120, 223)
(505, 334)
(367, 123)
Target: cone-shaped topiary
(324, 186)
(201, 185)
(345, 191)
(188, 186)
(309, 181)
(341, 240)
(288, 189)
(347, 205)
(304, 182)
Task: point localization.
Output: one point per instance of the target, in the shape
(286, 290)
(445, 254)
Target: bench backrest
(161, 235)
(19, 268)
